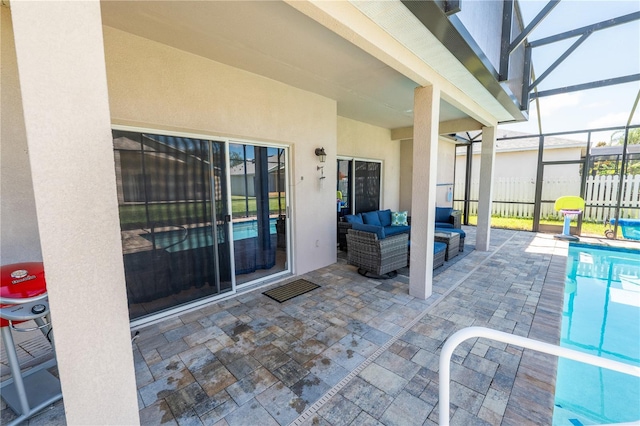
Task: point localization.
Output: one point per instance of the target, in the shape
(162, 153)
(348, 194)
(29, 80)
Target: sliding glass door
(359, 185)
(174, 218)
(196, 221)
(258, 193)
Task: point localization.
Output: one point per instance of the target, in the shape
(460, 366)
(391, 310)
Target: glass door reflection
(258, 194)
(171, 190)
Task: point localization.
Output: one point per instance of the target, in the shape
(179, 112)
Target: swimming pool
(601, 316)
(181, 239)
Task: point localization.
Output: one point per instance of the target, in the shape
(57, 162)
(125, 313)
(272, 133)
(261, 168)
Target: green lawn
(239, 204)
(135, 216)
(526, 224)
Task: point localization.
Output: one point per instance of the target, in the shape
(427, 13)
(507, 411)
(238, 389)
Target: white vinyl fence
(510, 196)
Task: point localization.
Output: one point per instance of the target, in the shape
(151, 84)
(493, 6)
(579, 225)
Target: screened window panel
(367, 177)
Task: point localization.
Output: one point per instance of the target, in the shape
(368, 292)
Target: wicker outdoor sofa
(453, 224)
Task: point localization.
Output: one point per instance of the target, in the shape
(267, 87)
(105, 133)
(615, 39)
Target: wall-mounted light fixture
(320, 153)
(323, 157)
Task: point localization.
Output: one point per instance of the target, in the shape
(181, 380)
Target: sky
(608, 53)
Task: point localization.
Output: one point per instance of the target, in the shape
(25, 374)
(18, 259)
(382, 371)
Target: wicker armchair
(379, 257)
(455, 219)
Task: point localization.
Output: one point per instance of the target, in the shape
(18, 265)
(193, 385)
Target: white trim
(289, 212)
(168, 133)
(232, 255)
(210, 137)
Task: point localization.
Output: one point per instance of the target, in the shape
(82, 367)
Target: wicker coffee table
(452, 240)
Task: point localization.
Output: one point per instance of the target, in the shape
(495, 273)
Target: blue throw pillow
(353, 218)
(385, 217)
(371, 218)
(378, 230)
(399, 218)
(443, 213)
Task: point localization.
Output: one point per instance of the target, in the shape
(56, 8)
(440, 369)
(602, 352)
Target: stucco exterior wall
(361, 140)
(63, 86)
(19, 241)
(445, 174)
(158, 87)
(406, 173)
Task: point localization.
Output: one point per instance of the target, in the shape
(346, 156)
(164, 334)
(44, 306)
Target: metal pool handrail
(470, 332)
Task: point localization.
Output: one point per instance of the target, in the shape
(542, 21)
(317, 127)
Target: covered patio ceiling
(275, 40)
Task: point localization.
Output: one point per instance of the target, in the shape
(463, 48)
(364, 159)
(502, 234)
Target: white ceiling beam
(444, 128)
(347, 21)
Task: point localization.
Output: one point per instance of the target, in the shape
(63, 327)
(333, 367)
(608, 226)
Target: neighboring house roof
(151, 145)
(529, 143)
(614, 150)
(251, 166)
(157, 149)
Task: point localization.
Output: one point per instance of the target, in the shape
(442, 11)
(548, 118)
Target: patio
(361, 351)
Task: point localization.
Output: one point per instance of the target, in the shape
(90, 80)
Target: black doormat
(290, 290)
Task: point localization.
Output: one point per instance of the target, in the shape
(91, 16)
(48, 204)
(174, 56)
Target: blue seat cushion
(393, 230)
(457, 231)
(371, 218)
(443, 213)
(439, 247)
(444, 225)
(378, 230)
(353, 218)
(385, 217)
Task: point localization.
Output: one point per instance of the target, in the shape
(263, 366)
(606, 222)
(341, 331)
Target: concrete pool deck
(361, 351)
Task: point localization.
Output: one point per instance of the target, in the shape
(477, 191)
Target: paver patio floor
(359, 351)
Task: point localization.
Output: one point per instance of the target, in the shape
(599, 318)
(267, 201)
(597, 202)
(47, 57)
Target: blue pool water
(179, 240)
(601, 316)
(249, 229)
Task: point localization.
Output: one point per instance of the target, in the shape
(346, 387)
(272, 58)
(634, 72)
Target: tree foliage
(235, 158)
(617, 137)
(611, 166)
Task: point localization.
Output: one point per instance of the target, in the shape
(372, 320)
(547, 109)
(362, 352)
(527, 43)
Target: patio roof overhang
(341, 50)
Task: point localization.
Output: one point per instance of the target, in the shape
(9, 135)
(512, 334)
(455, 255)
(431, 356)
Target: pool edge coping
(533, 393)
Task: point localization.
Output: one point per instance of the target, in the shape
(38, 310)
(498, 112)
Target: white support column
(62, 73)
(485, 197)
(426, 113)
